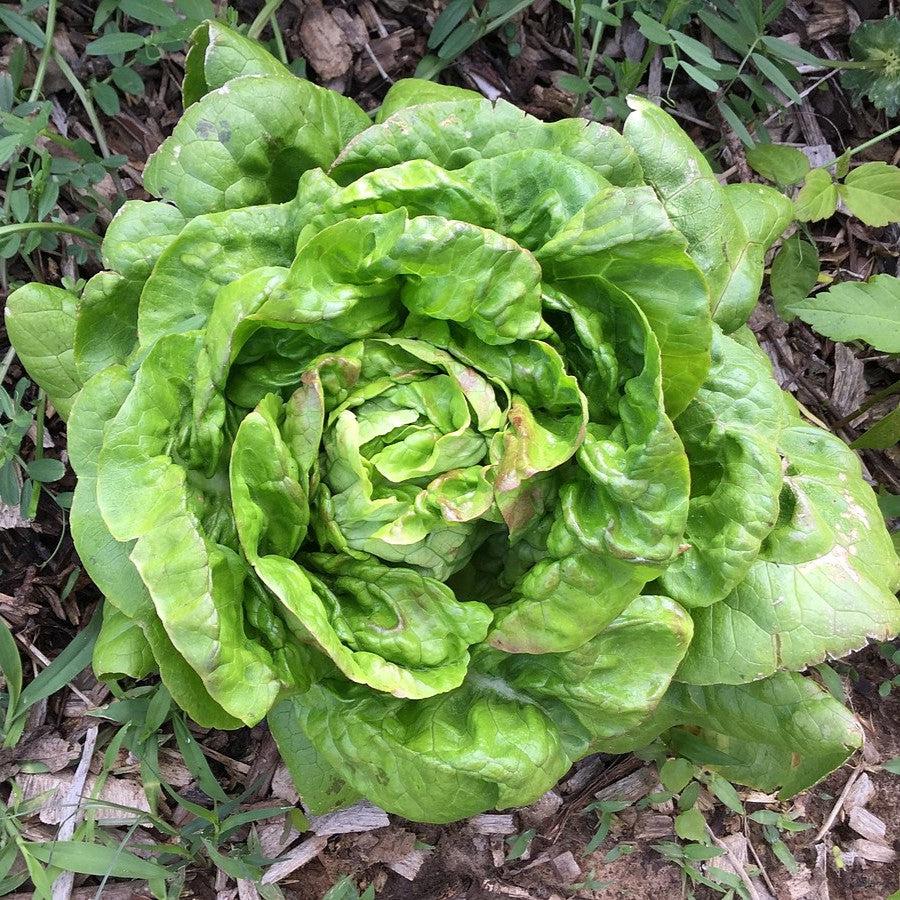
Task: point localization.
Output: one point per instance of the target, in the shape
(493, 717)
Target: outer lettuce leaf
(40, 322)
(503, 737)
(475, 748)
(248, 142)
(699, 208)
(451, 133)
(624, 236)
(121, 650)
(106, 560)
(196, 584)
(610, 683)
(137, 236)
(213, 250)
(321, 788)
(106, 325)
(824, 581)
(416, 91)
(219, 53)
(730, 432)
(781, 733)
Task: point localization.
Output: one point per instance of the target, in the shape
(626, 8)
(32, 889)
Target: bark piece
(849, 388)
(54, 752)
(383, 54)
(871, 851)
(283, 787)
(408, 866)
(116, 790)
(860, 794)
(353, 27)
(651, 826)
(324, 44)
(867, 825)
(632, 787)
(490, 823)
(542, 808)
(566, 867)
(363, 816)
(305, 852)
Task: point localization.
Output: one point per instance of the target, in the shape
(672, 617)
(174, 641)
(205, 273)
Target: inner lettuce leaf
(441, 442)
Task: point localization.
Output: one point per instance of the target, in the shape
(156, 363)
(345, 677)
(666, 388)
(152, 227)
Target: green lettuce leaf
(40, 322)
(218, 54)
(248, 142)
(699, 208)
(823, 583)
(781, 733)
(452, 133)
(504, 736)
(730, 432)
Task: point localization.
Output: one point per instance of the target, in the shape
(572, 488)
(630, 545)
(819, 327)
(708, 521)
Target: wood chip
(498, 850)
(737, 843)
(566, 867)
(849, 386)
(247, 890)
(735, 859)
(383, 55)
(11, 517)
(305, 852)
(650, 826)
(632, 787)
(324, 44)
(542, 809)
(582, 776)
(72, 803)
(116, 790)
(498, 823)
(799, 886)
(283, 787)
(364, 816)
(867, 825)
(495, 886)
(820, 874)
(274, 838)
(54, 752)
(408, 867)
(860, 794)
(390, 845)
(819, 154)
(354, 28)
(871, 851)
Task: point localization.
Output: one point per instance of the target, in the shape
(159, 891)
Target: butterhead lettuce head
(442, 442)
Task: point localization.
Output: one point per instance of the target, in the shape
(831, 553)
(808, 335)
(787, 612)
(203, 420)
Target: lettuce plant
(443, 442)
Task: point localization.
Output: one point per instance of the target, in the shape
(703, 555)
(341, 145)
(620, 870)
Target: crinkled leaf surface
(781, 733)
(441, 442)
(730, 433)
(248, 142)
(823, 583)
(505, 735)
